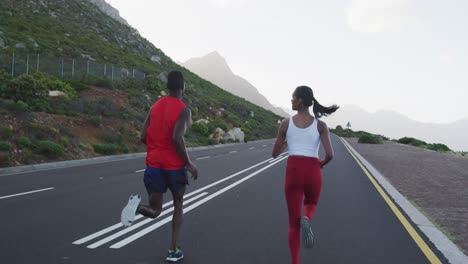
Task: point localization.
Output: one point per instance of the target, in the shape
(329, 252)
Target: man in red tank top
(167, 160)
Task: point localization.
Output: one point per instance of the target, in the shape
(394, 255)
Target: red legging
(303, 183)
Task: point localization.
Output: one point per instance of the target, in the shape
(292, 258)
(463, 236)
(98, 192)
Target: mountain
(395, 125)
(98, 115)
(109, 10)
(214, 68)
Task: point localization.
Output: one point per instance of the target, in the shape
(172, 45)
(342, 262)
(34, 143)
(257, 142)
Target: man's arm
(184, 119)
(145, 128)
(325, 138)
(280, 144)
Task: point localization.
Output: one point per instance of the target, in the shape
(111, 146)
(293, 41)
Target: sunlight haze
(407, 56)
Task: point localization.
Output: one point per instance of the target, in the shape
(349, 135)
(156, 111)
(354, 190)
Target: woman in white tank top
(301, 135)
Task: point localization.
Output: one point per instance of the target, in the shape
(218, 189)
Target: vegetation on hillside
(96, 116)
(369, 138)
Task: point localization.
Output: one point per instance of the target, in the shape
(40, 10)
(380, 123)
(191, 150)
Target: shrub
(64, 141)
(24, 142)
(49, 149)
(41, 132)
(215, 124)
(77, 85)
(4, 146)
(83, 146)
(6, 133)
(200, 129)
(438, 147)
(53, 84)
(95, 120)
(27, 89)
(411, 141)
(5, 80)
(107, 149)
(20, 106)
(370, 139)
(123, 148)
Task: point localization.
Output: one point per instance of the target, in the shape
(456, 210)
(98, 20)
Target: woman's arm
(280, 144)
(326, 142)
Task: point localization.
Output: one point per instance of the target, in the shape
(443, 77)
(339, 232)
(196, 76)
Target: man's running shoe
(129, 211)
(175, 255)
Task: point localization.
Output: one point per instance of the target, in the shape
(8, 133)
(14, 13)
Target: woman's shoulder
(321, 125)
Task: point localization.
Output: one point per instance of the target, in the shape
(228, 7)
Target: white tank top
(303, 141)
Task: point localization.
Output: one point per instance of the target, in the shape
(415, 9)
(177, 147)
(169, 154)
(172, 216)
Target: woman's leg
(294, 195)
(312, 189)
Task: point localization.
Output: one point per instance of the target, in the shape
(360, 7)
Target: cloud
(219, 3)
(445, 58)
(378, 15)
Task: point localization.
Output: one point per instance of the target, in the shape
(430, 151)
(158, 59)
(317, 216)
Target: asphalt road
(235, 213)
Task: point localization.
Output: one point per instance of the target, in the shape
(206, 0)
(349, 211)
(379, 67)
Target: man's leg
(155, 206)
(178, 198)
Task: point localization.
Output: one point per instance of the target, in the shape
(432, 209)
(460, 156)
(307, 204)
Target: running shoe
(175, 255)
(129, 211)
(308, 237)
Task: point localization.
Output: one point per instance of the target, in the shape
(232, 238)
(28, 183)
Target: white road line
(282, 155)
(24, 193)
(147, 230)
(252, 148)
(116, 226)
(230, 177)
(207, 157)
(142, 223)
(140, 170)
(111, 228)
(234, 151)
(264, 145)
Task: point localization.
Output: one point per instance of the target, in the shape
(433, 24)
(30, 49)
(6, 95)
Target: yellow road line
(413, 233)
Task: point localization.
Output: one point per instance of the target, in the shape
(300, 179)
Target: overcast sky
(410, 56)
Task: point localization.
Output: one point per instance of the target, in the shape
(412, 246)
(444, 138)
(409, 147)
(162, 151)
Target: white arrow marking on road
(207, 157)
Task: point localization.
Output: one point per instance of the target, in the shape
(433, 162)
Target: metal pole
(13, 65)
(105, 69)
(37, 66)
(144, 75)
(133, 74)
(87, 68)
(73, 68)
(27, 64)
(112, 72)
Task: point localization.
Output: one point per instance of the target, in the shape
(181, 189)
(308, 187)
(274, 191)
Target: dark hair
(175, 81)
(307, 96)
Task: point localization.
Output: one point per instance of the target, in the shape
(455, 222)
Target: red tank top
(160, 149)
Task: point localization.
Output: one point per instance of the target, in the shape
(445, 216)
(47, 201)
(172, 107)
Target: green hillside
(97, 110)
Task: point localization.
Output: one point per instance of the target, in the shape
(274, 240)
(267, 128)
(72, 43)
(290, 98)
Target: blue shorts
(158, 180)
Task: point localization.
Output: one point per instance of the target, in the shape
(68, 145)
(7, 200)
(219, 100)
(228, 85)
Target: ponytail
(320, 110)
